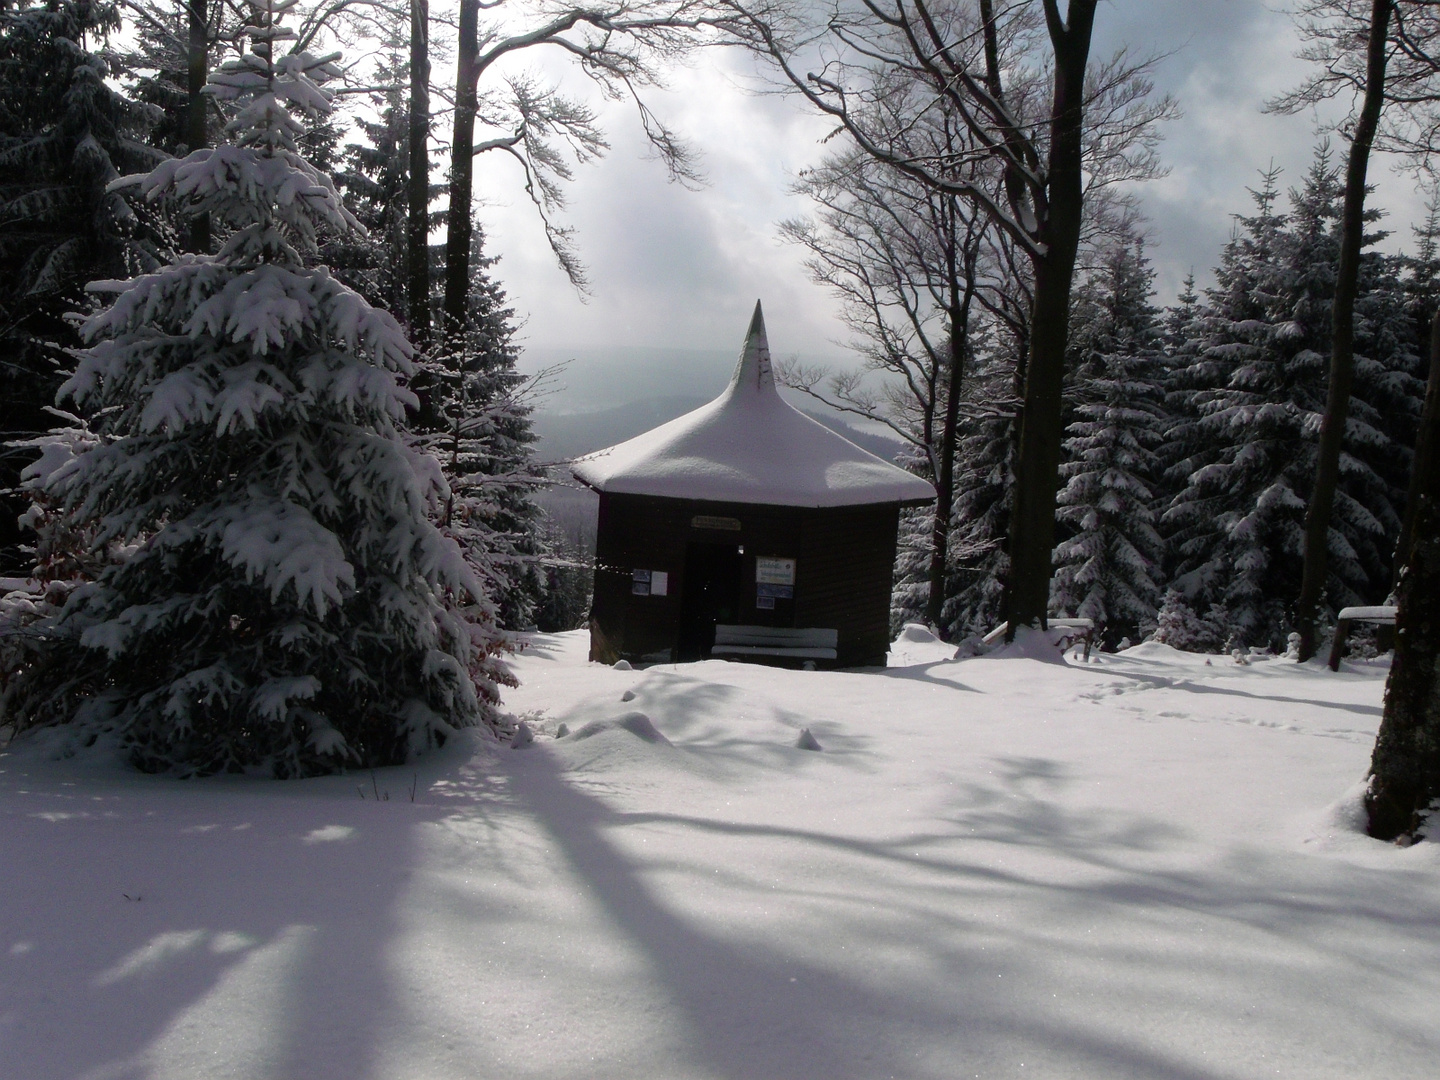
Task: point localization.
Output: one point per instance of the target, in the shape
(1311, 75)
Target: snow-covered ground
(1146, 866)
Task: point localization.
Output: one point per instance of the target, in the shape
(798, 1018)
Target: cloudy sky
(676, 272)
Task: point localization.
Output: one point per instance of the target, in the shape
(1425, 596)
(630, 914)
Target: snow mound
(1157, 650)
(636, 723)
(622, 665)
(917, 632)
(1032, 643)
(523, 737)
(1340, 828)
(917, 644)
(1347, 814)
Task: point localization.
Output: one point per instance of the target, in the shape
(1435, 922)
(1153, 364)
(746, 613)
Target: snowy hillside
(1145, 866)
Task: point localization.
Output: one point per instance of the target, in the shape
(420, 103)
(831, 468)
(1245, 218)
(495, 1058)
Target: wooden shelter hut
(745, 530)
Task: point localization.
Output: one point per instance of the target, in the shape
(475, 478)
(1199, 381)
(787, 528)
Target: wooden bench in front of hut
(1380, 615)
(776, 642)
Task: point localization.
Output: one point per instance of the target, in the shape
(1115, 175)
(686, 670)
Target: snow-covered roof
(750, 446)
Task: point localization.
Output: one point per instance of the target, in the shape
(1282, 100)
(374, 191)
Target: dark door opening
(711, 595)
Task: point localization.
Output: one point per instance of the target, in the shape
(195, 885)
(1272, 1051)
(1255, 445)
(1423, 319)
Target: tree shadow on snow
(926, 673)
(1207, 688)
(752, 1013)
(1272, 924)
(752, 1010)
(207, 928)
(1187, 685)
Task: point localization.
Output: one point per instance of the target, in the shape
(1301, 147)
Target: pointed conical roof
(750, 446)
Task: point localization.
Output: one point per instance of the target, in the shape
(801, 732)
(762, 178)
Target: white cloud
(673, 268)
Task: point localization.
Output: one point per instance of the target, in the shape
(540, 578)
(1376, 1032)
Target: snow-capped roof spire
(754, 370)
(750, 445)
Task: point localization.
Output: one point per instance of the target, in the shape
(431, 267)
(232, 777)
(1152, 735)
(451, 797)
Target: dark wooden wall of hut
(844, 564)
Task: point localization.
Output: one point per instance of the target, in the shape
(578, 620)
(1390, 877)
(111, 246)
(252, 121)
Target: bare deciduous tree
(622, 46)
(952, 52)
(904, 261)
(986, 65)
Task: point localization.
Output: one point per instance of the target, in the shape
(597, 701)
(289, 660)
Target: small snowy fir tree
(375, 181)
(1108, 569)
(289, 608)
(569, 579)
(1178, 626)
(910, 583)
(910, 580)
(978, 561)
(476, 420)
(1422, 269)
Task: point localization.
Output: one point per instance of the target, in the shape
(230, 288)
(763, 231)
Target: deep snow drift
(1146, 866)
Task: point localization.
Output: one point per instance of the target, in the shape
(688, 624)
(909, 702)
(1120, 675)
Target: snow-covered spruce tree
(1108, 568)
(476, 420)
(1234, 433)
(1184, 331)
(374, 181)
(474, 416)
(910, 585)
(65, 134)
(1421, 282)
(1385, 403)
(984, 481)
(914, 544)
(1248, 412)
(1422, 269)
(290, 608)
(63, 553)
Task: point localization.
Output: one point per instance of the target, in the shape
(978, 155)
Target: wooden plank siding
(844, 577)
(844, 563)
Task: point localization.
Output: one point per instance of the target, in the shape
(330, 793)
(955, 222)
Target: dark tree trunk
(960, 299)
(1425, 453)
(1342, 335)
(458, 225)
(196, 120)
(945, 484)
(1037, 470)
(1405, 768)
(418, 224)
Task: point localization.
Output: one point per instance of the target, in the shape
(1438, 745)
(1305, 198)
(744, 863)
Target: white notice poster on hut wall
(774, 571)
(774, 580)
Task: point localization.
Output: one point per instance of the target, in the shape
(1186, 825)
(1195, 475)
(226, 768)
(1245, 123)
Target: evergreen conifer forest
(270, 479)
